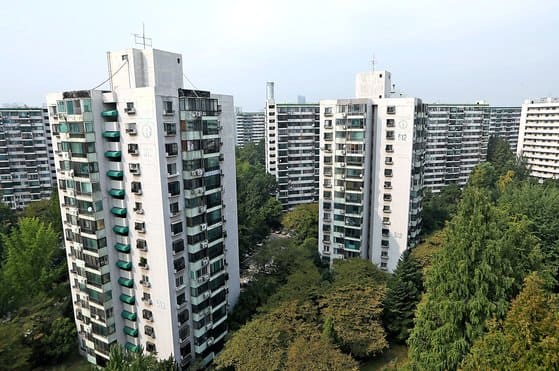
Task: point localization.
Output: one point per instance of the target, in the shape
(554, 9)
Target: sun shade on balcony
(120, 229)
(132, 347)
(119, 211)
(113, 155)
(110, 113)
(127, 299)
(111, 134)
(130, 331)
(126, 282)
(128, 315)
(122, 247)
(115, 174)
(118, 193)
(124, 265)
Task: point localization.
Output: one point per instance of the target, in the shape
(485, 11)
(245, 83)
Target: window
(141, 244)
(390, 135)
(168, 107)
(387, 197)
(386, 208)
(143, 262)
(183, 316)
(388, 160)
(389, 148)
(176, 228)
(383, 265)
(391, 110)
(385, 233)
(390, 123)
(178, 246)
(174, 188)
(148, 330)
(150, 347)
(133, 149)
(171, 169)
(388, 172)
(171, 149)
(387, 185)
(130, 107)
(385, 220)
(179, 281)
(181, 299)
(328, 111)
(147, 314)
(137, 188)
(170, 128)
(179, 264)
(174, 208)
(138, 208)
(140, 226)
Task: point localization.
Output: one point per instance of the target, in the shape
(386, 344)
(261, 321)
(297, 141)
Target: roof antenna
(142, 39)
(373, 62)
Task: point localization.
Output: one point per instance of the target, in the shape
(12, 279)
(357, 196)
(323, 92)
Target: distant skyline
(502, 52)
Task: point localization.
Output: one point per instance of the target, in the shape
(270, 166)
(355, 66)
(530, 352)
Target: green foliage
(500, 155)
(353, 305)
(123, 360)
(313, 354)
(8, 220)
(440, 207)
(484, 176)
(425, 252)
(302, 221)
(32, 262)
(480, 268)
(528, 339)
(46, 210)
(404, 292)
(257, 207)
(14, 354)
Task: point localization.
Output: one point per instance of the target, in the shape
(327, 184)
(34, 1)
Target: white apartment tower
(538, 139)
(372, 149)
(249, 127)
(26, 167)
(146, 175)
(292, 153)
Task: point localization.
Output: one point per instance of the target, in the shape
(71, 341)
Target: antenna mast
(373, 62)
(142, 39)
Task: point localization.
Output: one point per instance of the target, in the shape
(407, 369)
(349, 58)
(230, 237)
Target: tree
(528, 339)
(14, 354)
(314, 354)
(404, 293)
(353, 306)
(480, 268)
(30, 266)
(303, 221)
(440, 207)
(46, 210)
(124, 360)
(500, 155)
(8, 220)
(425, 252)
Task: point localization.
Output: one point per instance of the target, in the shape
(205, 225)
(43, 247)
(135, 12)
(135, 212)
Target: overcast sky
(441, 51)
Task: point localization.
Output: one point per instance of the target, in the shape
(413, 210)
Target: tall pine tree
(473, 278)
(404, 293)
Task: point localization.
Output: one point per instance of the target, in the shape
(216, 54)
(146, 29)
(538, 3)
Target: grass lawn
(393, 356)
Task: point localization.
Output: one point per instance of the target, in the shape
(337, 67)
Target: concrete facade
(250, 127)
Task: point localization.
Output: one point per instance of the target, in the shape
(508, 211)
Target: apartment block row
(146, 176)
(26, 157)
(249, 127)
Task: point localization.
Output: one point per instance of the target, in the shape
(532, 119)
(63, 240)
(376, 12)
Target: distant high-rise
(292, 149)
(372, 150)
(26, 160)
(457, 139)
(249, 127)
(145, 172)
(538, 139)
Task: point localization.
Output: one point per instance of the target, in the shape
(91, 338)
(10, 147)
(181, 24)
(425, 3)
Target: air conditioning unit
(134, 169)
(130, 110)
(205, 261)
(137, 191)
(204, 245)
(139, 211)
(131, 131)
(197, 114)
(201, 209)
(203, 227)
(199, 191)
(210, 341)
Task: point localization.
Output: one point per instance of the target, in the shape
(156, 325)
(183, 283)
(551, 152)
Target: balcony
(130, 331)
(126, 282)
(127, 299)
(128, 315)
(132, 347)
(121, 230)
(127, 266)
(111, 134)
(115, 174)
(110, 114)
(113, 155)
(122, 248)
(117, 193)
(118, 211)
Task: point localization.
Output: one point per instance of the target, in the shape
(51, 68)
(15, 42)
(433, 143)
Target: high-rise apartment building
(25, 166)
(292, 149)
(249, 127)
(538, 139)
(504, 122)
(146, 175)
(371, 163)
(457, 139)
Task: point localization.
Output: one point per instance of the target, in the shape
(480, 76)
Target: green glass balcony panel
(128, 315)
(122, 247)
(131, 331)
(117, 193)
(126, 282)
(111, 134)
(127, 299)
(132, 347)
(120, 229)
(127, 266)
(115, 174)
(110, 113)
(113, 155)
(118, 211)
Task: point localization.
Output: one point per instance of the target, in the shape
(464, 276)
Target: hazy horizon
(502, 52)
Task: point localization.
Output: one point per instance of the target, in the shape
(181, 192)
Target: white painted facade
(250, 127)
(371, 185)
(164, 283)
(538, 138)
